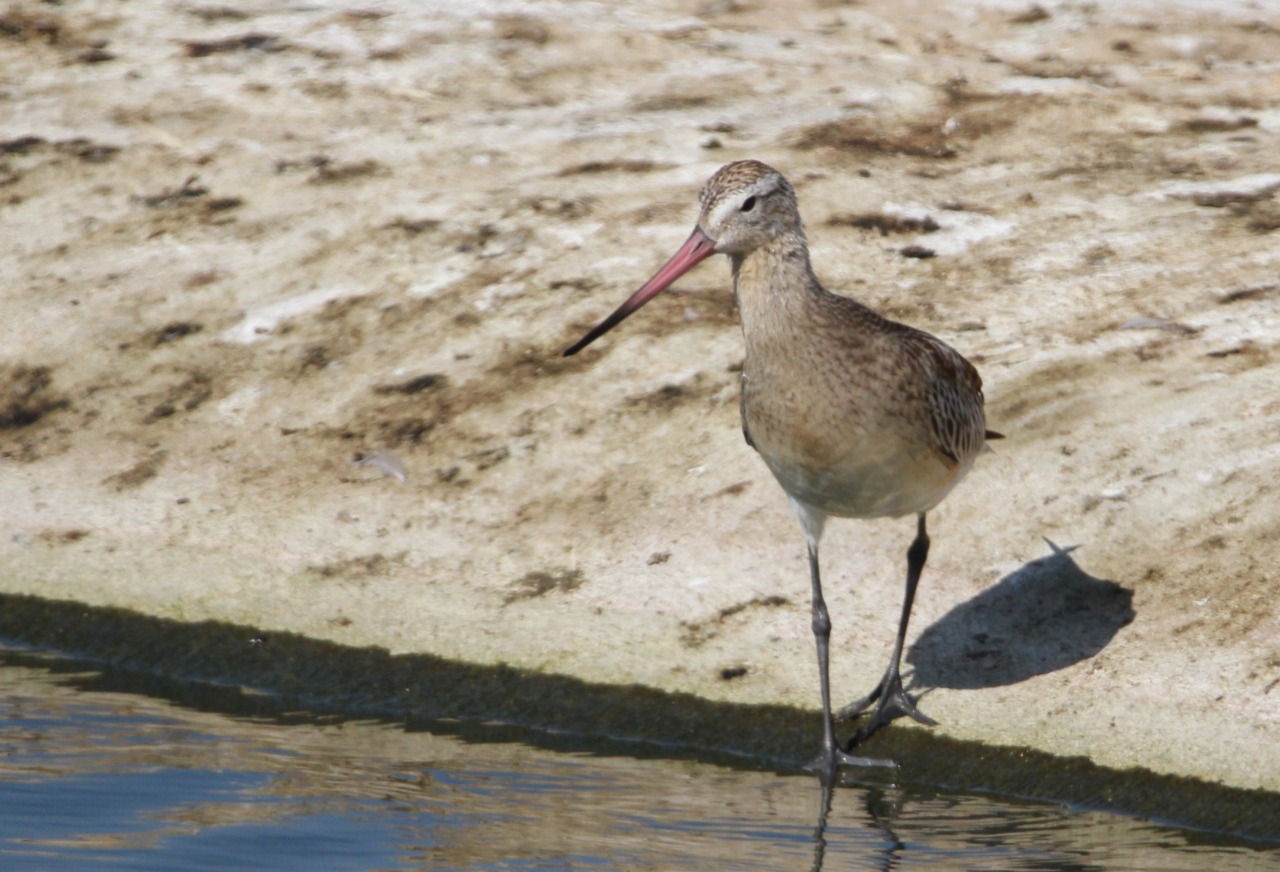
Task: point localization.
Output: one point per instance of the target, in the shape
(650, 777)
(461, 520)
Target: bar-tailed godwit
(855, 415)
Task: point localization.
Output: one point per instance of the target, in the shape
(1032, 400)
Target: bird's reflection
(882, 806)
(820, 831)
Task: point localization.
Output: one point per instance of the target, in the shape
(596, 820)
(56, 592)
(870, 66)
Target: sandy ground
(245, 245)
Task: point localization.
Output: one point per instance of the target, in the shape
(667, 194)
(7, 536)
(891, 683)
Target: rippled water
(99, 779)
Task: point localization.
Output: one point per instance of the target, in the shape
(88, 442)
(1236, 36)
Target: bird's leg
(832, 756)
(890, 692)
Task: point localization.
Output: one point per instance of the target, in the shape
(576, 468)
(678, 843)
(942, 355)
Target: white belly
(871, 485)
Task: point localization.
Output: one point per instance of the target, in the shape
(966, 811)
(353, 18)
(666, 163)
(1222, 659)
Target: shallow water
(92, 777)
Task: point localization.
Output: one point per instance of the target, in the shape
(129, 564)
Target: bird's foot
(891, 700)
(853, 709)
(826, 764)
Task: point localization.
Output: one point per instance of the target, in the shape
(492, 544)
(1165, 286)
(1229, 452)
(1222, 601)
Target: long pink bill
(697, 248)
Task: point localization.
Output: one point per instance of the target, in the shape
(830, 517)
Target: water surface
(92, 777)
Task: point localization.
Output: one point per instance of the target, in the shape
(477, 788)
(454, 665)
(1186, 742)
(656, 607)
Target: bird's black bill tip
(591, 336)
(606, 325)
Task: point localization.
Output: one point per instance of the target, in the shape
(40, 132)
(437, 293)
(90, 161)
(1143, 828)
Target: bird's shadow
(1044, 616)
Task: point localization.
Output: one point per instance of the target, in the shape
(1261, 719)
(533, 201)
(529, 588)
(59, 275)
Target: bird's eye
(749, 204)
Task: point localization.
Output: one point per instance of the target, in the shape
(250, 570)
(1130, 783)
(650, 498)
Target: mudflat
(285, 291)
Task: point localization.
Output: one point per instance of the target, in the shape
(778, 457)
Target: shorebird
(856, 416)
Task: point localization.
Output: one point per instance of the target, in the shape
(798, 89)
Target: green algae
(238, 670)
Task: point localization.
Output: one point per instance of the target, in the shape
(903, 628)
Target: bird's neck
(775, 286)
